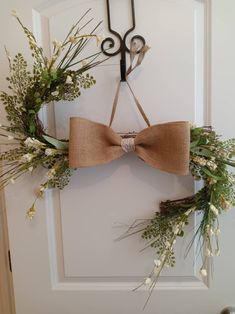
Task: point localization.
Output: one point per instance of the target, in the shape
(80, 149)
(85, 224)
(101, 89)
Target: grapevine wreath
(62, 77)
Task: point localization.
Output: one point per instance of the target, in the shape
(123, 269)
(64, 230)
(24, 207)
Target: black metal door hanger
(123, 49)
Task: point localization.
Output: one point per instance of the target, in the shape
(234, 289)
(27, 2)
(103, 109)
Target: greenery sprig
(60, 77)
(210, 159)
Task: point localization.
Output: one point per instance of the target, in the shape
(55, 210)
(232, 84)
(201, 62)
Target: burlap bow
(162, 146)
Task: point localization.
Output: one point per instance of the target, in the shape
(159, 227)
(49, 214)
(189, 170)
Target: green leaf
(32, 127)
(194, 144)
(196, 131)
(210, 174)
(56, 143)
(54, 74)
(201, 151)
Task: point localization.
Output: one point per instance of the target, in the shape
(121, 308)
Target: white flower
(157, 262)
(212, 181)
(167, 244)
(42, 188)
(212, 165)
(55, 93)
(211, 232)
(207, 227)
(30, 169)
(69, 80)
(100, 39)
(200, 160)
(27, 158)
(214, 210)
(31, 212)
(148, 281)
(32, 142)
(10, 137)
(203, 272)
(50, 152)
(29, 142)
(12, 181)
(50, 174)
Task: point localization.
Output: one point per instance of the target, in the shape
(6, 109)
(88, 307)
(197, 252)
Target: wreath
(63, 77)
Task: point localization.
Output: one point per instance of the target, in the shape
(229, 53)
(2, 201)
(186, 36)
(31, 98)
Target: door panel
(100, 198)
(67, 260)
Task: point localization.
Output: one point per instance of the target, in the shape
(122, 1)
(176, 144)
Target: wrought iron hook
(123, 49)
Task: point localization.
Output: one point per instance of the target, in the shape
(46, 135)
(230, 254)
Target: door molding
(60, 282)
(7, 303)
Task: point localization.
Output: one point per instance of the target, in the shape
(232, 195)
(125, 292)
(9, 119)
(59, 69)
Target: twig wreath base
(56, 79)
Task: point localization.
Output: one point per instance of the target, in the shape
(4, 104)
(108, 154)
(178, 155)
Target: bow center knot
(128, 144)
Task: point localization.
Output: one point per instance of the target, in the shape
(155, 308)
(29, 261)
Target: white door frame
(7, 302)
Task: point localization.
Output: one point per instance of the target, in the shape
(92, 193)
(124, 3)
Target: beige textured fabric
(162, 146)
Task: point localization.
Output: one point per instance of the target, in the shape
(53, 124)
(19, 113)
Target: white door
(66, 261)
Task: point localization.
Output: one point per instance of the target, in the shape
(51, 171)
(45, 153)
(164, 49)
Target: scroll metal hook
(123, 49)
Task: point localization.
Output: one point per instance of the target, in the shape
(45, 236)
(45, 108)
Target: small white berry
(203, 272)
(55, 93)
(167, 244)
(69, 80)
(157, 262)
(148, 281)
(214, 210)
